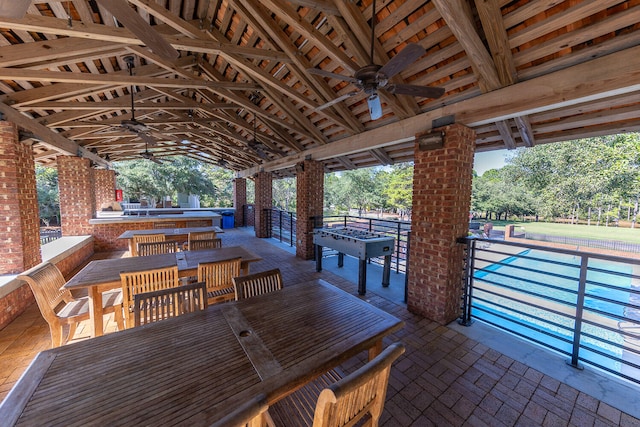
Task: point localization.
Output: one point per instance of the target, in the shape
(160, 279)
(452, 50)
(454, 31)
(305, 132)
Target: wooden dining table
(102, 275)
(193, 369)
(169, 233)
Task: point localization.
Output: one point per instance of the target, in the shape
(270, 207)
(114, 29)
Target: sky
(489, 160)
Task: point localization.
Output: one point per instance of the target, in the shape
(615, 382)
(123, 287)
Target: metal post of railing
(345, 221)
(280, 223)
(370, 225)
(406, 268)
(291, 228)
(577, 330)
(398, 250)
(467, 281)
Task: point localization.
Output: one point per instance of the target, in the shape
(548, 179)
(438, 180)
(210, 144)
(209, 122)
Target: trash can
(227, 219)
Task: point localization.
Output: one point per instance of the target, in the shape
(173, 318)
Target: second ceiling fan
(370, 78)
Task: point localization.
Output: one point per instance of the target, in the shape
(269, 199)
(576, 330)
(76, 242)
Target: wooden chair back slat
(155, 248)
(166, 303)
(198, 245)
(363, 392)
(258, 283)
(145, 281)
(144, 238)
(199, 235)
(219, 279)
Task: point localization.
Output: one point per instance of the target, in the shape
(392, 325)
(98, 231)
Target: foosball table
(357, 243)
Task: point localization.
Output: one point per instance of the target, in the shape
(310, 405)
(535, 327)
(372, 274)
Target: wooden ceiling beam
(604, 77)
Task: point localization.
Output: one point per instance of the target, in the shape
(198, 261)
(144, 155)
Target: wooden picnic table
(103, 275)
(193, 369)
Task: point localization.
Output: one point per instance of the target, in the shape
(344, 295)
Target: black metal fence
(585, 243)
(282, 225)
(49, 235)
(583, 305)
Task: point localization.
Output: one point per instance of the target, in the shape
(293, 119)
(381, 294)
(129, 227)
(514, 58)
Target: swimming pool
(536, 294)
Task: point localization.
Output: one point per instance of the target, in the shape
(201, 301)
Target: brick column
(440, 214)
(105, 186)
(77, 200)
(20, 228)
(310, 198)
(264, 200)
(239, 200)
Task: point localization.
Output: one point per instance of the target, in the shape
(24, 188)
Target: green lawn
(631, 235)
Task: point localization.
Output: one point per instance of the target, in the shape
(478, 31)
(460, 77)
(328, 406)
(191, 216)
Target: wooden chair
(144, 238)
(145, 281)
(198, 235)
(219, 279)
(155, 248)
(59, 308)
(358, 396)
(198, 245)
(258, 283)
(252, 413)
(153, 306)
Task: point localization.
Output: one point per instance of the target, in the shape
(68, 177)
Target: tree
(284, 194)
(48, 195)
(398, 187)
(140, 178)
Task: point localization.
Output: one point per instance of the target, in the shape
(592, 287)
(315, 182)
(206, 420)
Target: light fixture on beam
(430, 141)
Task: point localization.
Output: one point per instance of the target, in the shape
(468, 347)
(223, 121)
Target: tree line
(594, 181)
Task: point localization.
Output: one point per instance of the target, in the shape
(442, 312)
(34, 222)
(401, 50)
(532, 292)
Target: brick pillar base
(105, 187)
(20, 229)
(310, 198)
(239, 200)
(77, 200)
(264, 200)
(440, 214)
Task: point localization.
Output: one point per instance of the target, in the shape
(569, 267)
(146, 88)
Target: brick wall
(14, 303)
(310, 198)
(239, 200)
(440, 214)
(105, 186)
(264, 200)
(77, 195)
(20, 228)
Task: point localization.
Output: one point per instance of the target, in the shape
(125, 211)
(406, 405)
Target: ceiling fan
(146, 154)
(133, 125)
(260, 147)
(370, 78)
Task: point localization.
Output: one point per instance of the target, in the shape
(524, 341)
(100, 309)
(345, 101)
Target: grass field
(631, 235)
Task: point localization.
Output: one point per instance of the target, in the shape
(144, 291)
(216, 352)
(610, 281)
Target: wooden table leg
(375, 350)
(95, 311)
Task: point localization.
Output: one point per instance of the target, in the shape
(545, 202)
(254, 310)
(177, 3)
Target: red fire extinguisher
(119, 196)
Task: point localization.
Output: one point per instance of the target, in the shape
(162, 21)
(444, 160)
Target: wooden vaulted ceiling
(233, 86)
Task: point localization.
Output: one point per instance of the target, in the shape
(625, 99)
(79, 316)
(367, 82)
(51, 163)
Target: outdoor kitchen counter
(107, 229)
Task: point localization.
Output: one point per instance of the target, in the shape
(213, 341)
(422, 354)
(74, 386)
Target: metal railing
(399, 230)
(613, 245)
(282, 225)
(583, 305)
(49, 235)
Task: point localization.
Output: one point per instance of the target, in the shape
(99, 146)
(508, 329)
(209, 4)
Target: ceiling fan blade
(148, 139)
(153, 159)
(141, 28)
(402, 60)
(15, 9)
(338, 99)
(323, 73)
(413, 90)
(375, 107)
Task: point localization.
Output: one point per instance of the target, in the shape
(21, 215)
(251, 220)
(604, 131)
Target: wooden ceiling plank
(456, 15)
(267, 25)
(526, 131)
